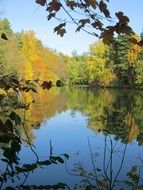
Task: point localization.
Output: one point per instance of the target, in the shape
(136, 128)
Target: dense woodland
(117, 65)
(26, 62)
(24, 55)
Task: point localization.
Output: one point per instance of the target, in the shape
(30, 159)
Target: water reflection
(100, 130)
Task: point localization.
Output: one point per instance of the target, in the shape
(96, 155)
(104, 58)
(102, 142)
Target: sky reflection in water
(85, 131)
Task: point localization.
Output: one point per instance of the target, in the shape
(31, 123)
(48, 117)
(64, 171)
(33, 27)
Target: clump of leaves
(134, 178)
(87, 15)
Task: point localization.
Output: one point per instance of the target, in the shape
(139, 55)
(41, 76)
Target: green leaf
(9, 124)
(66, 156)
(55, 159)
(3, 36)
(4, 160)
(45, 162)
(1, 178)
(59, 159)
(15, 117)
(33, 89)
(16, 146)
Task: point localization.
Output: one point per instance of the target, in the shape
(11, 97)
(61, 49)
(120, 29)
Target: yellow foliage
(133, 129)
(98, 49)
(28, 71)
(39, 62)
(134, 51)
(27, 97)
(29, 47)
(97, 65)
(107, 98)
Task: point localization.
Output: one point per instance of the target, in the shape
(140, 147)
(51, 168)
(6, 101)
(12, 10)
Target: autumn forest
(72, 121)
(117, 65)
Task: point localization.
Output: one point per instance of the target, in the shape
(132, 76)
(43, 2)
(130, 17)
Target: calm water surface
(98, 134)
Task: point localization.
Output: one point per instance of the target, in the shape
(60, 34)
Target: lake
(78, 138)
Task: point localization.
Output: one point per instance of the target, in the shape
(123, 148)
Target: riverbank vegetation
(119, 64)
(25, 63)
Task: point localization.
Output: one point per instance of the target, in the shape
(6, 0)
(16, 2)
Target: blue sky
(26, 15)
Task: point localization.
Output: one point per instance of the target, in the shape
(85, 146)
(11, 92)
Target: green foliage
(116, 65)
(78, 70)
(11, 125)
(5, 27)
(24, 58)
(118, 57)
(99, 69)
(134, 178)
(13, 86)
(24, 55)
(123, 55)
(139, 76)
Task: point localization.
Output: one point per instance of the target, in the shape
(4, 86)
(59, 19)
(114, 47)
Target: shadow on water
(86, 140)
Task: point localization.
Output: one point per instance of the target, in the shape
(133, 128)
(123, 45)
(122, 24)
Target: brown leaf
(54, 5)
(60, 29)
(46, 85)
(59, 26)
(71, 4)
(140, 43)
(41, 2)
(123, 28)
(97, 24)
(84, 21)
(91, 3)
(61, 32)
(103, 8)
(122, 18)
(107, 35)
(106, 13)
(134, 41)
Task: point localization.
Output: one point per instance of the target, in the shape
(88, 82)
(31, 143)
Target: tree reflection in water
(118, 123)
(106, 177)
(13, 133)
(117, 126)
(12, 168)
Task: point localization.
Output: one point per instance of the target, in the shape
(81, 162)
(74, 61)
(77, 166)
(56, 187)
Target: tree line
(119, 64)
(24, 56)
